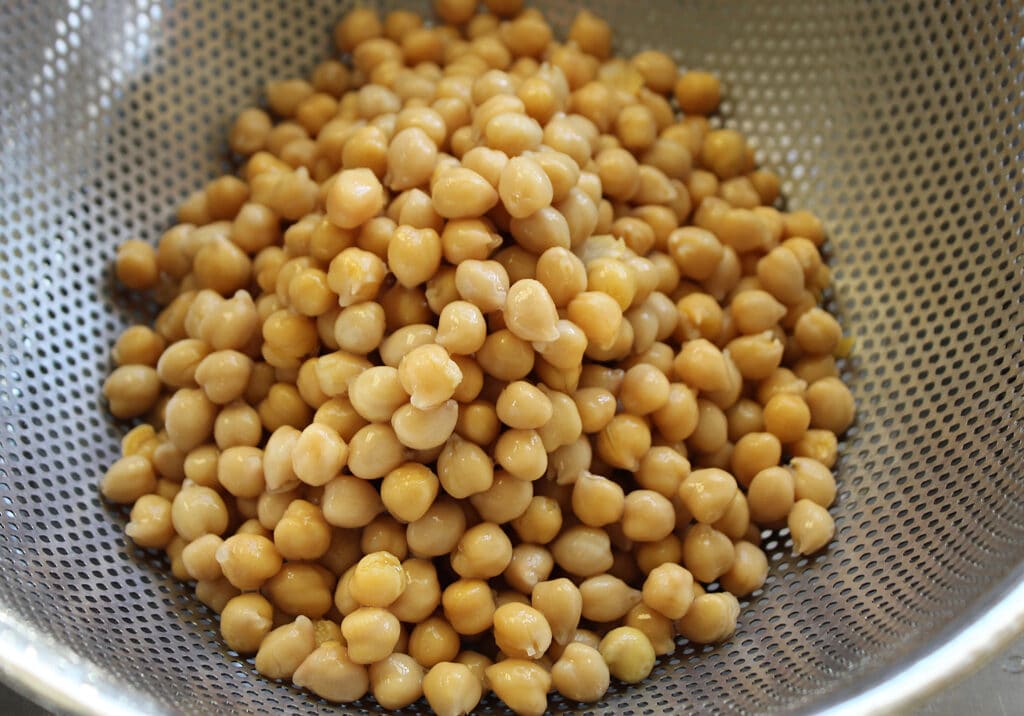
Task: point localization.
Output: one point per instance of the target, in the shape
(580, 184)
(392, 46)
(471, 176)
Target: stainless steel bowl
(900, 123)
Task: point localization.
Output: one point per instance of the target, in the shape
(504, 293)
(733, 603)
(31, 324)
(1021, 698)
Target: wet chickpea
(150, 523)
(697, 252)
(607, 598)
(451, 689)
(753, 452)
(540, 522)
(521, 631)
(138, 345)
(787, 416)
(596, 500)
(128, 479)
(647, 516)
(371, 634)
(707, 553)
(349, 501)
(433, 641)
(697, 92)
(438, 531)
(583, 551)
(748, 572)
(628, 653)
(396, 681)
(771, 494)
(521, 684)
(468, 605)
(707, 494)
(304, 589)
(245, 621)
(330, 673)
(821, 445)
(247, 560)
(711, 618)
(132, 390)
(811, 527)
(831, 405)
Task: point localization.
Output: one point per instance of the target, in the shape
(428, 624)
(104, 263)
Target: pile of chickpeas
(485, 373)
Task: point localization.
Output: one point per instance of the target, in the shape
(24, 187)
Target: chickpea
(128, 479)
(349, 501)
(248, 560)
(245, 621)
(754, 452)
(461, 193)
(521, 631)
(196, 511)
(583, 551)
(540, 522)
(787, 416)
(748, 572)
(607, 598)
(707, 553)
(371, 634)
(468, 605)
(301, 589)
(451, 689)
(811, 527)
(240, 471)
(433, 641)
(302, 532)
(507, 498)
(285, 648)
(831, 405)
(131, 390)
(596, 500)
(378, 580)
(422, 595)
(678, 418)
(396, 681)
(522, 453)
(150, 522)
(771, 495)
(483, 551)
(707, 494)
(628, 653)
(521, 684)
(330, 673)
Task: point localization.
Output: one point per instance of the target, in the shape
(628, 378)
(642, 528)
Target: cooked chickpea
(583, 551)
(433, 641)
(811, 527)
(771, 494)
(330, 672)
(711, 618)
(132, 390)
(521, 453)
(787, 416)
(128, 479)
(707, 494)
(748, 572)
(396, 681)
(468, 605)
(831, 405)
(371, 634)
(302, 532)
(150, 522)
(451, 689)
(245, 621)
(628, 653)
(521, 684)
(707, 553)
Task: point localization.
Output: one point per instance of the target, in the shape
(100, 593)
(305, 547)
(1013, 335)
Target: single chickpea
(371, 634)
(302, 532)
(433, 641)
(831, 405)
(245, 621)
(396, 681)
(771, 495)
(748, 572)
(521, 684)
(285, 648)
(787, 416)
(378, 580)
(128, 479)
(707, 553)
(628, 653)
(422, 595)
(668, 589)
(451, 689)
(711, 618)
(349, 501)
(468, 605)
(540, 522)
(329, 672)
(811, 527)
(461, 193)
(583, 551)
(425, 429)
(707, 494)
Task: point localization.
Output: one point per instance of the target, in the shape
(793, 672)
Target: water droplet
(1014, 664)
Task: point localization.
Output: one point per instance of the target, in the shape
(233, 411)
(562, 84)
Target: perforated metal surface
(899, 123)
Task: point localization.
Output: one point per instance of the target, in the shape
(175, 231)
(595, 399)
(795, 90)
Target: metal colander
(899, 123)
